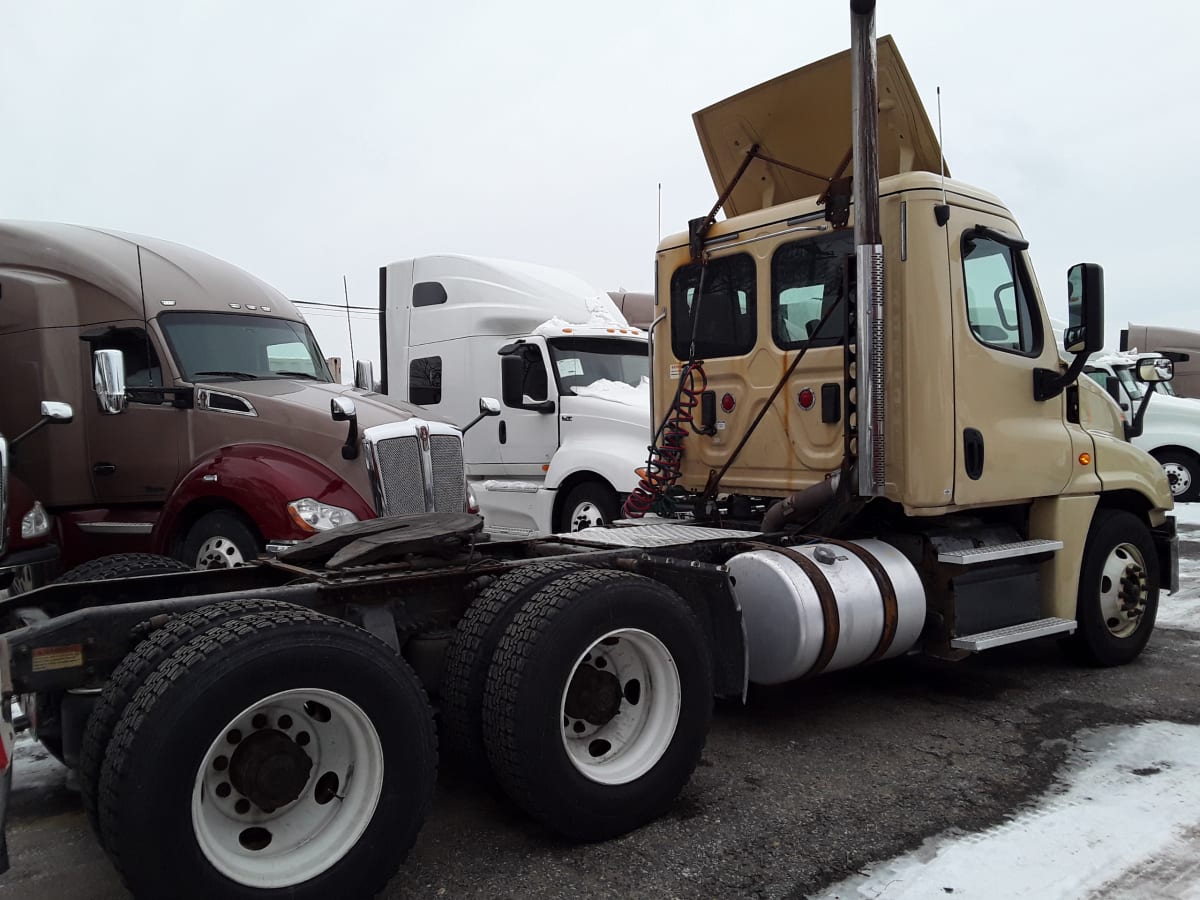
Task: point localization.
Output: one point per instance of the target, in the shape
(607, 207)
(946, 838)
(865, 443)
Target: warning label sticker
(48, 658)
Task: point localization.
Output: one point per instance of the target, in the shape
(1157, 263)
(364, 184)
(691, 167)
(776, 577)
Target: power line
(337, 306)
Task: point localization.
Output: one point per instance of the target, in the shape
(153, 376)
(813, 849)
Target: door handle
(104, 469)
(973, 453)
(503, 432)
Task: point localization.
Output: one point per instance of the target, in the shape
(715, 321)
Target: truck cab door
(132, 457)
(528, 424)
(1009, 446)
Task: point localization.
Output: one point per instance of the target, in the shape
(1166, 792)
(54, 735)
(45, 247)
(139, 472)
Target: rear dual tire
(281, 753)
(598, 702)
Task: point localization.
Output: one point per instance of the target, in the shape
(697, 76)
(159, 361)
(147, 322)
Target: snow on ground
(1188, 514)
(1123, 822)
(1182, 609)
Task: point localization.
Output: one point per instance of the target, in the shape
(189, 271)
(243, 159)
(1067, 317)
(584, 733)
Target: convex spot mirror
(109, 380)
(489, 406)
(1085, 309)
(1153, 369)
(57, 413)
(342, 409)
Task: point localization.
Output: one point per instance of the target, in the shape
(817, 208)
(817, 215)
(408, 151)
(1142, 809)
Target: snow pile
(602, 313)
(617, 392)
(1124, 822)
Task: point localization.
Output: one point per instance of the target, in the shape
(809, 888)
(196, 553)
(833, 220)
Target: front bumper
(25, 570)
(1166, 545)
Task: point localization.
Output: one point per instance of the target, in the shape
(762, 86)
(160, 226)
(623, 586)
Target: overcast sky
(305, 141)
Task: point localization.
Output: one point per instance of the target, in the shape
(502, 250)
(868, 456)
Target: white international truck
(1169, 426)
(572, 373)
(913, 469)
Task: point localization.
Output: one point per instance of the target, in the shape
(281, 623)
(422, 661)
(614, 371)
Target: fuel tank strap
(887, 591)
(829, 607)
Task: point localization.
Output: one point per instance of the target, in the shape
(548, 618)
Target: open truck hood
(803, 119)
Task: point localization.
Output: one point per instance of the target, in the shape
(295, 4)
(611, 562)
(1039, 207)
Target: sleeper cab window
(425, 381)
(1000, 304)
(720, 313)
(809, 281)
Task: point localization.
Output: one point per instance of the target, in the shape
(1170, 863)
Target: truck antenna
(349, 329)
(941, 214)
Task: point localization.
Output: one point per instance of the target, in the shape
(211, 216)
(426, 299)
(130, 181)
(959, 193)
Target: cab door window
(719, 314)
(142, 368)
(808, 282)
(1001, 309)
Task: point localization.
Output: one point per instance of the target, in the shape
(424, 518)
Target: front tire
(1118, 590)
(283, 753)
(598, 703)
(586, 505)
(220, 540)
(1183, 474)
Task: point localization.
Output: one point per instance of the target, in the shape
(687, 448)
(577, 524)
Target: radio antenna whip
(349, 328)
(941, 214)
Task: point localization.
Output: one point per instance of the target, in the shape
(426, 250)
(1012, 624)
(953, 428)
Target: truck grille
(415, 467)
(446, 458)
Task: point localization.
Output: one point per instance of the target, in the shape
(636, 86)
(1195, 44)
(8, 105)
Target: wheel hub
(593, 696)
(219, 553)
(1178, 477)
(269, 769)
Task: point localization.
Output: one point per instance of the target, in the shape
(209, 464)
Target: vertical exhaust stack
(868, 248)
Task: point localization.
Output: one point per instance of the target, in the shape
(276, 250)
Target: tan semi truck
(228, 443)
(267, 729)
(1181, 345)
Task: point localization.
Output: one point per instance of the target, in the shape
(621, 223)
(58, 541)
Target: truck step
(973, 555)
(1013, 634)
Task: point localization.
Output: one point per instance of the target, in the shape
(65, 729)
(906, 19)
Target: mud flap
(1166, 543)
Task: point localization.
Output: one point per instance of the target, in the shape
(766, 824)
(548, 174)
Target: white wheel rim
(617, 748)
(1179, 477)
(219, 553)
(1123, 590)
(309, 834)
(586, 515)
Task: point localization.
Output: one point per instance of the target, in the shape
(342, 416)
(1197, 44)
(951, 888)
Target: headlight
(34, 523)
(313, 516)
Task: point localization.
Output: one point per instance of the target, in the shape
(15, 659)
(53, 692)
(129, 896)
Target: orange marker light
(1085, 459)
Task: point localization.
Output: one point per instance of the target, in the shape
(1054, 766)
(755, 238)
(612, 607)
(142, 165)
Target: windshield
(228, 346)
(1129, 382)
(583, 361)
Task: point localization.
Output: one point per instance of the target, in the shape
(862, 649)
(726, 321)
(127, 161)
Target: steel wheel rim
(1178, 477)
(586, 515)
(621, 747)
(219, 553)
(319, 826)
(1123, 590)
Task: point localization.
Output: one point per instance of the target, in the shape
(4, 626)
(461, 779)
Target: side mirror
(342, 409)
(1154, 369)
(488, 406)
(109, 381)
(364, 374)
(512, 382)
(1085, 307)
